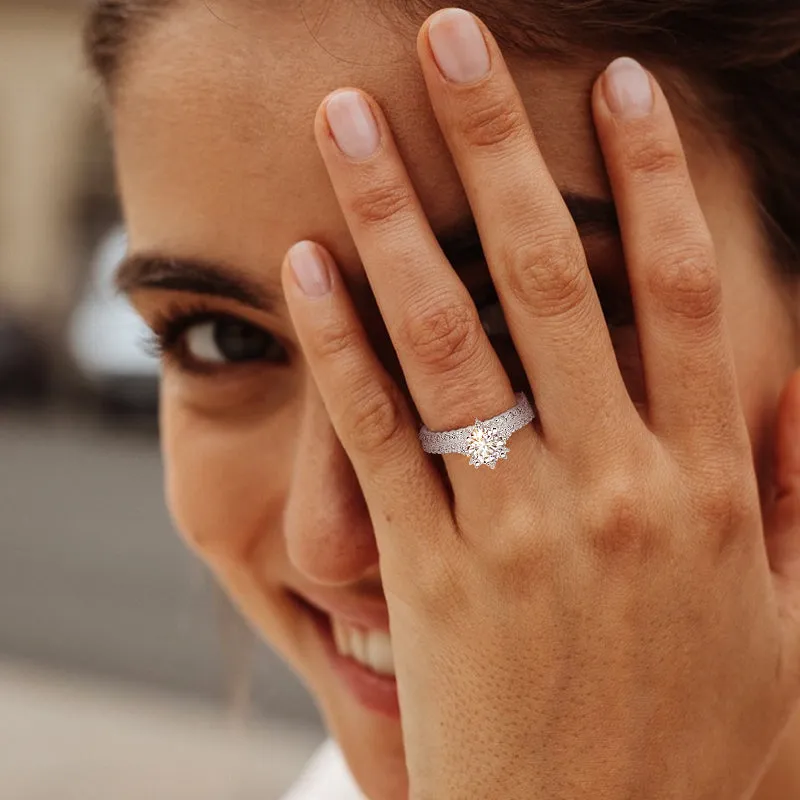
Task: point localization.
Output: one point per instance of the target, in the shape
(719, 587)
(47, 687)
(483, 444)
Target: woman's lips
(373, 690)
(368, 611)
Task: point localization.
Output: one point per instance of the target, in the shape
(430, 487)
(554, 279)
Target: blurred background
(123, 672)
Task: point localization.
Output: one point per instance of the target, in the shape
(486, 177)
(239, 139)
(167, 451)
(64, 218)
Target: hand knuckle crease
(375, 418)
(444, 336)
(549, 275)
(726, 497)
(488, 125)
(619, 524)
(687, 281)
(654, 158)
(382, 205)
(336, 339)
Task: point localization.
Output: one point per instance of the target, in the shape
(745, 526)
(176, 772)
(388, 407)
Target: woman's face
(220, 175)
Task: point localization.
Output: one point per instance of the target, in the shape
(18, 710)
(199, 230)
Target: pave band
(485, 441)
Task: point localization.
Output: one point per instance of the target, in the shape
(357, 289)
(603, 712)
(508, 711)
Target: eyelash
(166, 339)
(616, 305)
(168, 328)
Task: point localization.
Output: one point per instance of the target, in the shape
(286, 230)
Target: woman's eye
(493, 320)
(617, 309)
(230, 341)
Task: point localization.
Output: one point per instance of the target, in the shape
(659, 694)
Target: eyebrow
(460, 244)
(154, 271)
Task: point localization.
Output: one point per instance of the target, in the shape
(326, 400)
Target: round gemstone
(485, 446)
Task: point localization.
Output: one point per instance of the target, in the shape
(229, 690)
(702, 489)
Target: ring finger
(453, 373)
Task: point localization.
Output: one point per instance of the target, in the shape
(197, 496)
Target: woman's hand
(598, 617)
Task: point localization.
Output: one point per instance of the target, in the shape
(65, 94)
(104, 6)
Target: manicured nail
(629, 93)
(310, 271)
(353, 124)
(458, 46)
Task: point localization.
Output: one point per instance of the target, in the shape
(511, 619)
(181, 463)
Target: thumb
(783, 519)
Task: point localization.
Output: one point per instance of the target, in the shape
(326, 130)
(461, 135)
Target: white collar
(326, 778)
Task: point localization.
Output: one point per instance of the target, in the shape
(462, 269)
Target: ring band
(485, 441)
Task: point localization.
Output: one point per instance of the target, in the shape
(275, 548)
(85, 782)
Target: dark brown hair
(741, 57)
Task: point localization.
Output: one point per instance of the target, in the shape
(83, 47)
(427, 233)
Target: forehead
(214, 127)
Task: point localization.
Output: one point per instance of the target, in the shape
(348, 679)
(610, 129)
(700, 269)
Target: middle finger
(531, 243)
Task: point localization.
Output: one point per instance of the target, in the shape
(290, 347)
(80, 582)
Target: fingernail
(458, 46)
(629, 93)
(353, 124)
(309, 269)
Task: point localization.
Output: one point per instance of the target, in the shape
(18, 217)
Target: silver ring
(485, 441)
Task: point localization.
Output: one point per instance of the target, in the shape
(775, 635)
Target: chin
(361, 717)
(372, 746)
(371, 741)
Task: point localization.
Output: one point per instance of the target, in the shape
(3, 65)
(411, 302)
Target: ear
(783, 519)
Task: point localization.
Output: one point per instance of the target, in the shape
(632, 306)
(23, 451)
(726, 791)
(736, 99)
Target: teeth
(372, 649)
(358, 644)
(341, 640)
(380, 656)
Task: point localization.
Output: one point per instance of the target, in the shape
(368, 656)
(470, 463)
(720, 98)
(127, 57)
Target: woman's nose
(328, 530)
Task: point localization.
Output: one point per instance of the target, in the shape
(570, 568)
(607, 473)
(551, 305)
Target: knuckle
(647, 155)
(489, 124)
(519, 551)
(547, 274)
(686, 280)
(374, 417)
(725, 503)
(443, 337)
(335, 339)
(619, 524)
(380, 206)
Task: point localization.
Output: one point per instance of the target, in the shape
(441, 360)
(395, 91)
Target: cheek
(761, 332)
(759, 320)
(225, 482)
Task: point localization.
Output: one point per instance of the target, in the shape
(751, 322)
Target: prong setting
(486, 445)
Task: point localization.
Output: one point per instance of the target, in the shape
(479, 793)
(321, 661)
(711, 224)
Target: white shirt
(326, 778)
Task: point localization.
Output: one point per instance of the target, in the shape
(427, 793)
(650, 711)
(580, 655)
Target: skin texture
(218, 161)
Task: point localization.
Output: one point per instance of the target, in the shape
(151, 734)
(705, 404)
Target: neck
(782, 779)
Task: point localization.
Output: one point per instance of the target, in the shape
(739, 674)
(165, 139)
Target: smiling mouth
(359, 649)
(369, 648)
